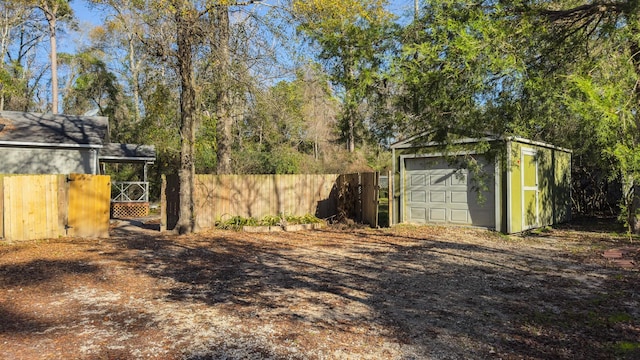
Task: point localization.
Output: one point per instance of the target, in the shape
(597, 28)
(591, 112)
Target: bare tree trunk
(224, 103)
(352, 136)
(350, 107)
(135, 73)
(4, 44)
(186, 220)
(51, 20)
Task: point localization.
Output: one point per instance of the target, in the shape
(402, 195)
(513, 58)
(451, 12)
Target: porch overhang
(127, 153)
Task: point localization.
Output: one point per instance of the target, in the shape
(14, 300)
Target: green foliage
(353, 37)
(237, 222)
(94, 86)
(288, 130)
(13, 86)
(255, 159)
(304, 219)
(206, 146)
(458, 64)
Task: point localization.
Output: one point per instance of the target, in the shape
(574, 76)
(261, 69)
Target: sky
(91, 17)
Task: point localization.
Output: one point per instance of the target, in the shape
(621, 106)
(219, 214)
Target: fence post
(390, 197)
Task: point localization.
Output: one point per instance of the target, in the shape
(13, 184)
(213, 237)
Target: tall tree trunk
(52, 20)
(352, 133)
(186, 220)
(224, 98)
(350, 105)
(4, 45)
(135, 73)
(350, 112)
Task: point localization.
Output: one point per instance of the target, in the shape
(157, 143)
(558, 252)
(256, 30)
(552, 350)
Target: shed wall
(554, 186)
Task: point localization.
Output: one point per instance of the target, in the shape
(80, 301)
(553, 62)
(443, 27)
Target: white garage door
(437, 192)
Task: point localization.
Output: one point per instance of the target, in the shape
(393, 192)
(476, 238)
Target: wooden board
(220, 197)
(30, 204)
(369, 198)
(89, 205)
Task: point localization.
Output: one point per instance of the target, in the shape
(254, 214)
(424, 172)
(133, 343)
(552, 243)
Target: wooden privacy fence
(220, 197)
(48, 206)
(224, 196)
(358, 197)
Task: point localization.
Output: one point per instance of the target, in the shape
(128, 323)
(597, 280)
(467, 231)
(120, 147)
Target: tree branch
(582, 12)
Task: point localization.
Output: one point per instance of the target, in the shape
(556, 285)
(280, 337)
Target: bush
(237, 222)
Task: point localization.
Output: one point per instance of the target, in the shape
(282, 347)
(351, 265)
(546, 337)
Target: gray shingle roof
(130, 152)
(53, 129)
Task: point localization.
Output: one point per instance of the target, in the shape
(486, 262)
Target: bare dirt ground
(402, 293)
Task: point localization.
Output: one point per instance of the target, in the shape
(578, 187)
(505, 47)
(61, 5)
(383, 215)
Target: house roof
(127, 153)
(33, 129)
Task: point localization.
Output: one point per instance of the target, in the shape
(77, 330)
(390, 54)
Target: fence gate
(89, 205)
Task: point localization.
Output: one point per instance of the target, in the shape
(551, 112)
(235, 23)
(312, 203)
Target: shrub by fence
(49, 206)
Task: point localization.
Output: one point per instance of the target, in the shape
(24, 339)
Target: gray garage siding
(437, 192)
(47, 161)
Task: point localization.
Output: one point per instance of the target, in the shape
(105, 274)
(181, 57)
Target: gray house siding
(48, 161)
(33, 143)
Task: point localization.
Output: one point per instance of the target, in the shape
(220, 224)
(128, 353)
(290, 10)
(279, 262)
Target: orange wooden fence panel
(48, 206)
(30, 207)
(89, 205)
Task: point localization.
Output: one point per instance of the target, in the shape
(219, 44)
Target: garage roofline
(537, 143)
(408, 143)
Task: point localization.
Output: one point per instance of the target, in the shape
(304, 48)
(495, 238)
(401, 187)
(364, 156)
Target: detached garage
(512, 185)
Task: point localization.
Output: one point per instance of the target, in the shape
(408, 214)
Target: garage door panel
(460, 216)
(418, 196)
(418, 214)
(459, 197)
(437, 215)
(438, 196)
(418, 180)
(438, 192)
(438, 179)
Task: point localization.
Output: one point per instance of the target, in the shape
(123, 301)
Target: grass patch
(624, 348)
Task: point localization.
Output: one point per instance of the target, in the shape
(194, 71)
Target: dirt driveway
(405, 293)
